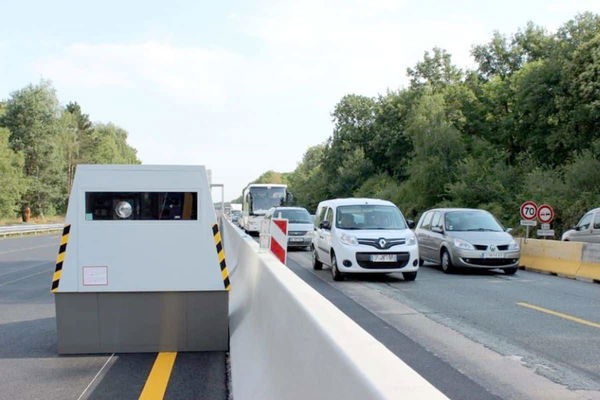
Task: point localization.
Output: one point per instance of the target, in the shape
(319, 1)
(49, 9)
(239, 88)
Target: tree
(436, 71)
(12, 182)
(33, 117)
(438, 148)
(307, 182)
(109, 146)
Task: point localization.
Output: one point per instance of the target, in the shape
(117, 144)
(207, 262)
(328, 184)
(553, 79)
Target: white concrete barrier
(289, 342)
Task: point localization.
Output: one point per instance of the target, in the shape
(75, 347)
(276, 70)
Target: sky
(241, 87)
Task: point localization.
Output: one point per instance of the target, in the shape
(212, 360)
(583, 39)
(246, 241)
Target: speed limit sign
(545, 214)
(529, 210)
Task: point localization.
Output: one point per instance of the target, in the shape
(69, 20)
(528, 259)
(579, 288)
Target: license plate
(493, 255)
(383, 258)
(296, 239)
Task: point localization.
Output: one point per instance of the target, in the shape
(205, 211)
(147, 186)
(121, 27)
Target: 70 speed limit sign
(529, 211)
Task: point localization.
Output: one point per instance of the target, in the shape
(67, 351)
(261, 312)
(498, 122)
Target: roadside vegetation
(41, 142)
(524, 125)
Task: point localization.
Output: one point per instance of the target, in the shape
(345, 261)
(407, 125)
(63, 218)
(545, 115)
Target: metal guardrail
(12, 230)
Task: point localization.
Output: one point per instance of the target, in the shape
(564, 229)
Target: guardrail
(19, 230)
(288, 342)
(571, 259)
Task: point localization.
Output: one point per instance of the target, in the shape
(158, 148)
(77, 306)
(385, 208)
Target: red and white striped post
(279, 238)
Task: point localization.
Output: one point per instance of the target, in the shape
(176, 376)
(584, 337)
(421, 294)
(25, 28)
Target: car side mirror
(509, 230)
(577, 227)
(411, 223)
(437, 229)
(325, 225)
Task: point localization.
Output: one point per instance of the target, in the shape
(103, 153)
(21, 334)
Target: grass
(53, 219)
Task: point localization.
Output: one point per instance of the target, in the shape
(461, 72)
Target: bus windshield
(264, 198)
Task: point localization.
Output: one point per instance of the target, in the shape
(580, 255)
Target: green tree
(307, 182)
(436, 71)
(438, 149)
(109, 146)
(33, 117)
(12, 182)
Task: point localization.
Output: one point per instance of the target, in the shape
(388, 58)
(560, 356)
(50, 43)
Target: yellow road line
(157, 381)
(559, 314)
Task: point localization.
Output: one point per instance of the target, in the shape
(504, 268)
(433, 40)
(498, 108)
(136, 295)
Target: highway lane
(29, 365)
(480, 325)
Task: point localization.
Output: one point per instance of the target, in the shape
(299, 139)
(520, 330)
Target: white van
(363, 236)
(300, 224)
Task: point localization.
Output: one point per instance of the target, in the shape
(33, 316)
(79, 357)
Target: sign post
(528, 212)
(545, 214)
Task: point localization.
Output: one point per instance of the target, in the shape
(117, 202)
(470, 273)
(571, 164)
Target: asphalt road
(29, 365)
(479, 335)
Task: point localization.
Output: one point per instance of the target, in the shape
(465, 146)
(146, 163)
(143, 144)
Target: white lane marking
(95, 377)
(24, 277)
(27, 269)
(28, 248)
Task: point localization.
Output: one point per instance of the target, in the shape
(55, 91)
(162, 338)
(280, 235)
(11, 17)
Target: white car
(300, 224)
(586, 230)
(363, 236)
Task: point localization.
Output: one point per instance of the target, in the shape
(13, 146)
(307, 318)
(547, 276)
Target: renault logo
(382, 243)
(493, 248)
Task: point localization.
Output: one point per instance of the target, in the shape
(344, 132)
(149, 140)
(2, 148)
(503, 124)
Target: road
(29, 365)
(479, 335)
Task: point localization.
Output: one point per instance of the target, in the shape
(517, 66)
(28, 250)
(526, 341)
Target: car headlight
(348, 239)
(463, 244)
(411, 241)
(514, 245)
(123, 209)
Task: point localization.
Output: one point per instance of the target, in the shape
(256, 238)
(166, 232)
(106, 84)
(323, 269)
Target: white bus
(257, 199)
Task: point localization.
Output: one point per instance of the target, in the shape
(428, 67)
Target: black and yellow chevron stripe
(60, 258)
(221, 254)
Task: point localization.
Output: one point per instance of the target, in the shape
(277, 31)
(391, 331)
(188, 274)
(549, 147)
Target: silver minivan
(586, 230)
(300, 228)
(465, 237)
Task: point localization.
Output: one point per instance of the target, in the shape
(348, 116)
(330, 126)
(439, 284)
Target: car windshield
(478, 221)
(294, 216)
(369, 217)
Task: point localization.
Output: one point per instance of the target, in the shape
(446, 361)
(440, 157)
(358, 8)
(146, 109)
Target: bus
(257, 199)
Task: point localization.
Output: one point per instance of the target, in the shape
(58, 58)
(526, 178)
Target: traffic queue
(360, 235)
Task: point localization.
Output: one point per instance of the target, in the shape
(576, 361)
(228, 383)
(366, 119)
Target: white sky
(240, 87)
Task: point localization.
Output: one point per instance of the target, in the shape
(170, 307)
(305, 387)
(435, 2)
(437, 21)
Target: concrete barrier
(590, 262)
(551, 256)
(289, 342)
(572, 259)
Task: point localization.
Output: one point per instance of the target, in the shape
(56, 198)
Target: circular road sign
(545, 214)
(529, 210)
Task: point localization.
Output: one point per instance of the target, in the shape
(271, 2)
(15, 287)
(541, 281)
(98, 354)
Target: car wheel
(317, 265)
(335, 272)
(447, 266)
(510, 271)
(409, 276)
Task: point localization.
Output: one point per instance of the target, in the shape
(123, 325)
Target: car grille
(297, 233)
(364, 261)
(491, 262)
(502, 247)
(388, 242)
